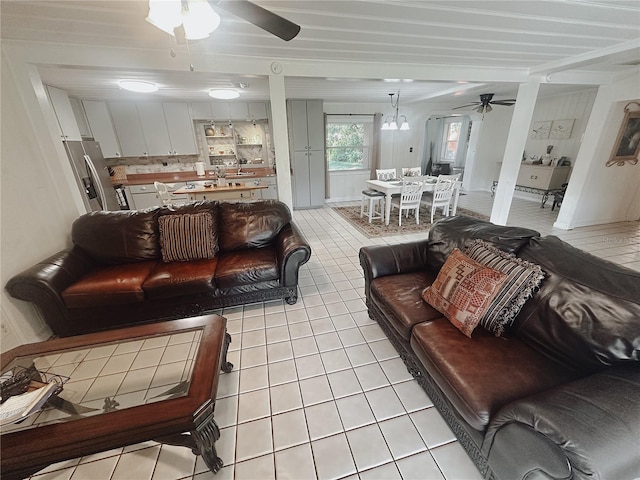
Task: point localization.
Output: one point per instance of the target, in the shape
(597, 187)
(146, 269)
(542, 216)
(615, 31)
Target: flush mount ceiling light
(223, 94)
(391, 122)
(196, 16)
(138, 86)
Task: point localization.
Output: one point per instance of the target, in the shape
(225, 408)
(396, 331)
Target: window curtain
(375, 144)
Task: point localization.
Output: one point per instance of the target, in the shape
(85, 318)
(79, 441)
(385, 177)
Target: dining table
(394, 187)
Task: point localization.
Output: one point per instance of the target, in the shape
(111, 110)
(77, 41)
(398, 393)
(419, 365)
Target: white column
(280, 138)
(518, 132)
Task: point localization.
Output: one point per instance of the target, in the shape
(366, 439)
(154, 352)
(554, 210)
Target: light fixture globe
(223, 94)
(139, 86)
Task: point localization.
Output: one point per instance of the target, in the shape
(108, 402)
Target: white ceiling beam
(589, 58)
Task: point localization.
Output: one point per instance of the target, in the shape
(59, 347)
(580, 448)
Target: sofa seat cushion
(398, 297)
(175, 279)
(481, 375)
(110, 285)
(246, 267)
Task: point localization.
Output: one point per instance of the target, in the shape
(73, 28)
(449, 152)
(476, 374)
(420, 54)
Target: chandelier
(391, 122)
(196, 17)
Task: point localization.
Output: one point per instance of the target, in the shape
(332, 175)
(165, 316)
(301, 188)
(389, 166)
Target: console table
(539, 179)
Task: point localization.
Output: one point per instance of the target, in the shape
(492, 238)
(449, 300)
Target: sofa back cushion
(455, 232)
(587, 311)
(118, 237)
(250, 225)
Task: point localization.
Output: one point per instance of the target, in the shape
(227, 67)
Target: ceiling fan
(198, 19)
(260, 17)
(484, 105)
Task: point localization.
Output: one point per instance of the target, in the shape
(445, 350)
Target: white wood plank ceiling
(390, 36)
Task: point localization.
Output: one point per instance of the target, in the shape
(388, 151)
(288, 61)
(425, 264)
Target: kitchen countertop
(171, 177)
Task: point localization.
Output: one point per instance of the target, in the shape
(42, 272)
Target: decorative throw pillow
(187, 237)
(463, 290)
(523, 280)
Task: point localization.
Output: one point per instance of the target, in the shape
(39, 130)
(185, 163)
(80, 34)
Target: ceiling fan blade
(504, 102)
(260, 17)
(467, 106)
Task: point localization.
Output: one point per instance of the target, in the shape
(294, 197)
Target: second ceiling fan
(486, 100)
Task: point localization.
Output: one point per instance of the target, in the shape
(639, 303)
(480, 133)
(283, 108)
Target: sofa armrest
(292, 251)
(43, 284)
(591, 425)
(382, 260)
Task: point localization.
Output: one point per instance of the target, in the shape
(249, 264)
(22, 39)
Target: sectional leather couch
(556, 397)
(129, 267)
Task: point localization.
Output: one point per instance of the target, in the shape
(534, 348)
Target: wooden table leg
(205, 436)
(226, 367)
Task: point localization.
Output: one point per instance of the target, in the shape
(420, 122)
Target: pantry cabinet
(306, 131)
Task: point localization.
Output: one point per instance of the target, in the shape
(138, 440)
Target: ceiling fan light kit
(199, 19)
(196, 17)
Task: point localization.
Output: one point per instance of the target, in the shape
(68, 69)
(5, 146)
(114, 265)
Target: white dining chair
(411, 171)
(443, 193)
(409, 199)
(386, 174)
(163, 193)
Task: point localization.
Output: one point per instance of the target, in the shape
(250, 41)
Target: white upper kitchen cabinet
(64, 113)
(154, 128)
(101, 126)
(81, 118)
(128, 128)
(201, 110)
(258, 111)
(238, 111)
(180, 128)
(220, 111)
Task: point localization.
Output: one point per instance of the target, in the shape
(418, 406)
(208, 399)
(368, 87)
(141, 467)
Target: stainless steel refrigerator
(93, 176)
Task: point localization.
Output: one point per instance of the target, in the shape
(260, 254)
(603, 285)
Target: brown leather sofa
(558, 397)
(114, 274)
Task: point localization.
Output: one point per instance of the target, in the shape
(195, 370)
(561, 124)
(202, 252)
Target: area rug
(377, 228)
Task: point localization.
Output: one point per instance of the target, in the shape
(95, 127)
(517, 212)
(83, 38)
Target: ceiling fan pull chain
(191, 67)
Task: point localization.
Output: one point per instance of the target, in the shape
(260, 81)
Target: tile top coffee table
(150, 382)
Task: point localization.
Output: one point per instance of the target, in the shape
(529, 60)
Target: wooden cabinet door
(154, 128)
(298, 122)
(201, 110)
(64, 113)
(128, 129)
(102, 127)
(238, 111)
(302, 184)
(315, 124)
(258, 111)
(180, 127)
(316, 178)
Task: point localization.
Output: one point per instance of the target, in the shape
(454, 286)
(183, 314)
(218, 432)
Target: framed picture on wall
(562, 128)
(627, 145)
(540, 130)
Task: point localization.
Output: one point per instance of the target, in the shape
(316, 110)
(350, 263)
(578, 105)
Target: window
(348, 141)
(451, 139)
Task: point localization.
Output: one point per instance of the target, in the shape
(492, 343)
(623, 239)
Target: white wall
(37, 208)
(599, 194)
(492, 141)
(576, 105)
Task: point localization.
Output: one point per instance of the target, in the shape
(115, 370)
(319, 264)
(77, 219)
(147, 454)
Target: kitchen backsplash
(160, 164)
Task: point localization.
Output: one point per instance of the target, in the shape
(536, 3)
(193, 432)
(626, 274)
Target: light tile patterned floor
(317, 390)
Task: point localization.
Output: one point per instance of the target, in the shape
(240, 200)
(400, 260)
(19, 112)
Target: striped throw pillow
(187, 237)
(523, 280)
